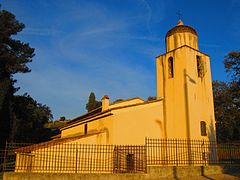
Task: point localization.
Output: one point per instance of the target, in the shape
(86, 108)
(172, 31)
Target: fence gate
(129, 159)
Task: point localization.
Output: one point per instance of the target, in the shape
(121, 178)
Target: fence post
(76, 157)
(230, 149)
(145, 158)
(204, 159)
(176, 152)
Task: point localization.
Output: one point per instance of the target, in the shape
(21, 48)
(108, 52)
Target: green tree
(29, 120)
(226, 113)
(151, 98)
(92, 102)
(14, 55)
(227, 100)
(232, 65)
(62, 118)
(118, 100)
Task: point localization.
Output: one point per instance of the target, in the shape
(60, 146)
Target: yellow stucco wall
(126, 102)
(187, 98)
(131, 125)
(126, 126)
(70, 157)
(99, 131)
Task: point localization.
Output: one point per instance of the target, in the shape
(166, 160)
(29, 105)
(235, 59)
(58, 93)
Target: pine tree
(14, 55)
(92, 102)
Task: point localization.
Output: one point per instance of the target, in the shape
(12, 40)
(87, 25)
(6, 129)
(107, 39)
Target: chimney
(105, 103)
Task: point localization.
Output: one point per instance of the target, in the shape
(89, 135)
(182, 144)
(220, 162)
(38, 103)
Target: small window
(85, 129)
(170, 67)
(200, 66)
(203, 128)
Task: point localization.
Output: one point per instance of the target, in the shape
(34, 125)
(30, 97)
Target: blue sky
(109, 46)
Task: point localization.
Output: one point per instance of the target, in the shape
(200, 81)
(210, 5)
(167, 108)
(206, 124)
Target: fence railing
(86, 158)
(177, 152)
(75, 158)
(8, 156)
(2, 155)
(229, 153)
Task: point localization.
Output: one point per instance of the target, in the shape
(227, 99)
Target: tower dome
(181, 35)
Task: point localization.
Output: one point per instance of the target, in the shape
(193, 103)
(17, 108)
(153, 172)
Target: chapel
(115, 137)
(183, 108)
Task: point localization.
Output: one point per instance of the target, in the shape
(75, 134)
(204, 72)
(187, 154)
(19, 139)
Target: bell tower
(181, 35)
(185, 84)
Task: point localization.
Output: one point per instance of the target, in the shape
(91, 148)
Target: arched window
(198, 65)
(85, 129)
(170, 67)
(203, 128)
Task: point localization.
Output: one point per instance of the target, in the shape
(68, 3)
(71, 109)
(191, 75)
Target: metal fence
(75, 158)
(2, 155)
(175, 152)
(86, 158)
(129, 159)
(178, 152)
(8, 156)
(229, 153)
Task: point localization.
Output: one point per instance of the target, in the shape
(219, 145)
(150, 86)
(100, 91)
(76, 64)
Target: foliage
(232, 65)
(118, 100)
(226, 112)
(227, 101)
(14, 55)
(53, 127)
(54, 124)
(151, 98)
(22, 119)
(92, 102)
(62, 118)
(29, 119)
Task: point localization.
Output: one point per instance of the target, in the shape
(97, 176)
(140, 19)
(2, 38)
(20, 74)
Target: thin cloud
(149, 14)
(105, 28)
(90, 48)
(41, 31)
(62, 86)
